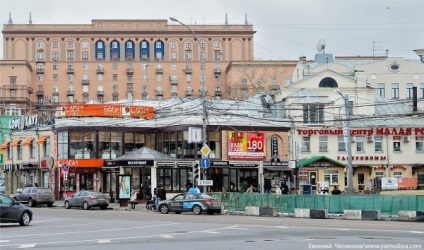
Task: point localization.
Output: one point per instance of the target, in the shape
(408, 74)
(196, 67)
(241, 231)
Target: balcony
(70, 92)
(217, 71)
(70, 71)
(40, 93)
(100, 92)
(100, 70)
(173, 80)
(159, 92)
(130, 71)
(189, 93)
(218, 93)
(188, 70)
(85, 82)
(30, 90)
(40, 71)
(159, 70)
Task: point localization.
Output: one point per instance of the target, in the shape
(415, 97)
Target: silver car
(87, 199)
(35, 195)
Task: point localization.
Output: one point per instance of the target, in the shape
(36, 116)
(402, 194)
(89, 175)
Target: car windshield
(44, 191)
(98, 194)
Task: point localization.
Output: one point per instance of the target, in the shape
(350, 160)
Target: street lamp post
(348, 138)
(202, 79)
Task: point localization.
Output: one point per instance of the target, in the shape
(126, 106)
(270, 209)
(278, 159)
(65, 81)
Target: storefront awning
(15, 143)
(42, 139)
(278, 168)
(28, 141)
(317, 158)
(4, 145)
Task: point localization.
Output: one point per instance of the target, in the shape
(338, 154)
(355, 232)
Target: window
(158, 45)
(114, 45)
(40, 77)
(217, 44)
(422, 90)
(217, 77)
(306, 144)
(188, 77)
(173, 55)
(144, 88)
(409, 89)
(174, 88)
(159, 77)
(380, 89)
(396, 143)
(419, 143)
(13, 93)
(32, 149)
(188, 44)
(40, 44)
(202, 55)
(40, 55)
(115, 65)
(70, 55)
(85, 44)
(331, 176)
(70, 77)
(115, 77)
(85, 55)
(55, 44)
(395, 90)
(129, 77)
(378, 143)
(99, 77)
(55, 77)
(55, 66)
(159, 88)
(55, 55)
(323, 144)
(202, 44)
(173, 66)
(173, 45)
(341, 144)
(85, 89)
(360, 146)
(85, 66)
(144, 45)
(129, 45)
(188, 55)
(70, 44)
(313, 113)
(217, 55)
(55, 89)
(144, 77)
(144, 66)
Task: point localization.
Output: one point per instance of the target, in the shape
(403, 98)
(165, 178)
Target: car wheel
(210, 212)
(85, 205)
(103, 207)
(25, 219)
(177, 212)
(164, 209)
(197, 210)
(31, 203)
(50, 204)
(67, 205)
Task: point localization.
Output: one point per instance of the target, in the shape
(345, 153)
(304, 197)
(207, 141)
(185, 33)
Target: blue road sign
(205, 163)
(65, 168)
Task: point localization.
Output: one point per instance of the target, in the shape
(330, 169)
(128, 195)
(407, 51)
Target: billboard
(246, 145)
(105, 110)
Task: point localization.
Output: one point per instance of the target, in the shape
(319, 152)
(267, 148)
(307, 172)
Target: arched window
(328, 82)
(144, 50)
(100, 50)
(159, 50)
(115, 50)
(129, 50)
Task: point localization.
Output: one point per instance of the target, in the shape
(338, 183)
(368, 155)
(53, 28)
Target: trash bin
(306, 189)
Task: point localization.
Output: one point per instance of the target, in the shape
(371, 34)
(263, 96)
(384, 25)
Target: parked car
(12, 211)
(87, 199)
(190, 202)
(35, 195)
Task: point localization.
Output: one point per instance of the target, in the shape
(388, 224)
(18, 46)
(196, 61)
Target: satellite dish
(321, 45)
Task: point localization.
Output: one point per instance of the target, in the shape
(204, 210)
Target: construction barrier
(388, 205)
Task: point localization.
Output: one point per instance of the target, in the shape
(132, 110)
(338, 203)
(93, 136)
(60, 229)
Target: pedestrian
(277, 190)
(250, 189)
(267, 186)
(133, 198)
(161, 196)
(284, 188)
(336, 191)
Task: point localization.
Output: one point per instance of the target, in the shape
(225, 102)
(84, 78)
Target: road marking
(104, 241)
(27, 245)
(416, 232)
(4, 241)
(212, 232)
(41, 221)
(281, 227)
(167, 236)
(342, 229)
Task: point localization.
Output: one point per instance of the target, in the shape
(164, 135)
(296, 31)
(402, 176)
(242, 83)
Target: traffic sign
(205, 150)
(205, 163)
(205, 183)
(65, 167)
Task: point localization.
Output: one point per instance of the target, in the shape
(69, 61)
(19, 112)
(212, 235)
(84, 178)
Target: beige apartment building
(110, 60)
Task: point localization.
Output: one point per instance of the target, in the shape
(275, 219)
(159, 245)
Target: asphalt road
(59, 228)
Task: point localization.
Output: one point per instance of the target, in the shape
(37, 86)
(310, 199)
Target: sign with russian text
(246, 145)
(105, 110)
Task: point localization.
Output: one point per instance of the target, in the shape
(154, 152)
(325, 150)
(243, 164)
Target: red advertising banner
(105, 110)
(246, 145)
(407, 183)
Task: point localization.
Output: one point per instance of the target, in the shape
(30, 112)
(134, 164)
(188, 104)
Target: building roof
(316, 158)
(144, 153)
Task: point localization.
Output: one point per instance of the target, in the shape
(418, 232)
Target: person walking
(250, 189)
(133, 198)
(336, 191)
(161, 196)
(267, 186)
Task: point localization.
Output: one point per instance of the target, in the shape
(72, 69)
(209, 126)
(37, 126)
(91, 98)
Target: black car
(35, 195)
(191, 202)
(12, 211)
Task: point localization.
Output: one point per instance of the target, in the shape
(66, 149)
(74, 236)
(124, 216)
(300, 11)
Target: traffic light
(196, 174)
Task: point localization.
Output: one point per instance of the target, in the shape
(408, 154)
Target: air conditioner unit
(370, 139)
(405, 138)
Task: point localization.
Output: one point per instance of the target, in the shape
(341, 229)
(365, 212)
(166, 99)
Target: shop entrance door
(86, 182)
(313, 179)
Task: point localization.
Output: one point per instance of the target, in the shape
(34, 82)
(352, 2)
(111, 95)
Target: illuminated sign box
(246, 145)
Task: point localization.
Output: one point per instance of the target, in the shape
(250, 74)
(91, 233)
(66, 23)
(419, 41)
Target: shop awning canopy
(317, 158)
(42, 139)
(4, 144)
(278, 168)
(16, 142)
(28, 141)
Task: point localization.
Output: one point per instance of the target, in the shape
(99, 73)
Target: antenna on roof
(10, 18)
(30, 19)
(321, 46)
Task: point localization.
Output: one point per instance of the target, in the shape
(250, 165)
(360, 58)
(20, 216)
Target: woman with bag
(133, 198)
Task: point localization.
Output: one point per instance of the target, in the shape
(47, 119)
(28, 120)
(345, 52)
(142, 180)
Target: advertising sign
(389, 184)
(105, 110)
(124, 182)
(246, 145)
(407, 183)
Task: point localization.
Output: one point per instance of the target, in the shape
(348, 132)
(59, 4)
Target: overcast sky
(286, 29)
